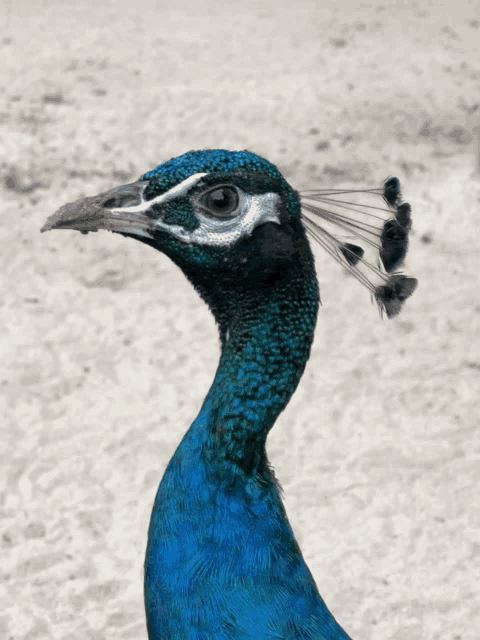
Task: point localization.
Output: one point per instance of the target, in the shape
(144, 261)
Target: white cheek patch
(253, 211)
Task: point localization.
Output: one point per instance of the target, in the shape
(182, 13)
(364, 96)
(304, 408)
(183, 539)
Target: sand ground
(107, 353)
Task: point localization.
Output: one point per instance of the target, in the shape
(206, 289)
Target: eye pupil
(220, 198)
(222, 201)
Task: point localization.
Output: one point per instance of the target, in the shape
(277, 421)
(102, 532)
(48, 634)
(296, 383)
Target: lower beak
(121, 210)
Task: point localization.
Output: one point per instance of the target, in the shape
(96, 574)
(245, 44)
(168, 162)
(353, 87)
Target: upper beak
(121, 210)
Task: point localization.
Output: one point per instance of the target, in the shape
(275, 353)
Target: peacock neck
(264, 353)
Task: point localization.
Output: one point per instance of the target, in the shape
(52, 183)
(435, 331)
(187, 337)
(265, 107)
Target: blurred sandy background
(107, 353)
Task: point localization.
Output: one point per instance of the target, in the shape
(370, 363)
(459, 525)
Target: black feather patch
(392, 295)
(394, 247)
(391, 191)
(352, 253)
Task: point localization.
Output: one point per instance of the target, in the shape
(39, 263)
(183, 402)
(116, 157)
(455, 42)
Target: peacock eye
(221, 201)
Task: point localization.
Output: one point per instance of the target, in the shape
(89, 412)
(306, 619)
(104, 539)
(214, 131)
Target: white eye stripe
(175, 192)
(179, 189)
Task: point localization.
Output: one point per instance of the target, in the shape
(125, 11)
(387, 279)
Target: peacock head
(207, 210)
(232, 223)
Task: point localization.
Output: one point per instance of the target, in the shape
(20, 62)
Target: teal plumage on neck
(222, 561)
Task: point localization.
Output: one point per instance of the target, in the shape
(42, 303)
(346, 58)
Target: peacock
(222, 561)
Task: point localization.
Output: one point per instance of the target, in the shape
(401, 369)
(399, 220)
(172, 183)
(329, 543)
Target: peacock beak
(121, 210)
